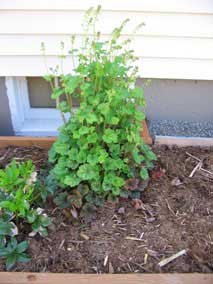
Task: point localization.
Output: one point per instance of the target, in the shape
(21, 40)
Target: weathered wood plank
(43, 142)
(60, 278)
(183, 141)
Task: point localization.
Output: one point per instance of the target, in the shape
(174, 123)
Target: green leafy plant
(14, 252)
(99, 147)
(19, 198)
(19, 193)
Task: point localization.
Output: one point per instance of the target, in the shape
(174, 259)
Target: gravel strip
(180, 128)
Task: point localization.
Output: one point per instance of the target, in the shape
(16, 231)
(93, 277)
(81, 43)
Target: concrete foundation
(178, 100)
(5, 120)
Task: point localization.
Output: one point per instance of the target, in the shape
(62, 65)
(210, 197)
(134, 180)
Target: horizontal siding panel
(166, 47)
(176, 41)
(69, 22)
(182, 6)
(148, 67)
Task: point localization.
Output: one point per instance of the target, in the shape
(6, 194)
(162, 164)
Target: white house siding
(175, 43)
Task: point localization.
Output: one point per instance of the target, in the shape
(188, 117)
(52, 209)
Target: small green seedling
(13, 252)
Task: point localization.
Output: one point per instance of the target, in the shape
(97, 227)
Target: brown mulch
(176, 213)
(38, 155)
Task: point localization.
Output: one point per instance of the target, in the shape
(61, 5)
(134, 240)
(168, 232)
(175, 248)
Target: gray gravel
(181, 128)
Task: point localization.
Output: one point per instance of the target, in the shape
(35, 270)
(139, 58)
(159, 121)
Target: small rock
(121, 210)
(150, 220)
(84, 236)
(176, 182)
(32, 234)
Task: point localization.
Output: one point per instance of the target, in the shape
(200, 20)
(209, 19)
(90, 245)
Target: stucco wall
(179, 100)
(5, 121)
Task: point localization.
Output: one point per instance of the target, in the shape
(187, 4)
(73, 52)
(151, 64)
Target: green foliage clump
(13, 251)
(99, 148)
(19, 198)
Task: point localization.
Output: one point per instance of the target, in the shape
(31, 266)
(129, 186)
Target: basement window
(33, 112)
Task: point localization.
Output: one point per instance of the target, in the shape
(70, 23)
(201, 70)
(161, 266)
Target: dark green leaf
(6, 228)
(10, 261)
(22, 246)
(61, 200)
(23, 257)
(83, 189)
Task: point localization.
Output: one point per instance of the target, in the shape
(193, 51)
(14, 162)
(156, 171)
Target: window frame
(26, 120)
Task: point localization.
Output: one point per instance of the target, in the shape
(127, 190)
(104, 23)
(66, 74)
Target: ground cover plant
(19, 200)
(99, 153)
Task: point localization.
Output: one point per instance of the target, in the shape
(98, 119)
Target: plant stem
(57, 101)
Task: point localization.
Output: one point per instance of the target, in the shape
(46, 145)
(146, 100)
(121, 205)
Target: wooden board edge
(46, 142)
(25, 141)
(183, 141)
(56, 278)
(145, 133)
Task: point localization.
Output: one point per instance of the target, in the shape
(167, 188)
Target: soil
(175, 213)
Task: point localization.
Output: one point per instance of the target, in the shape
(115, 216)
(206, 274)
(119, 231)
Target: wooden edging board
(61, 278)
(26, 141)
(46, 142)
(183, 141)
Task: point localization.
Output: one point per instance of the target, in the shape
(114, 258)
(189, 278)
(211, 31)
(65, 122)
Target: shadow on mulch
(176, 214)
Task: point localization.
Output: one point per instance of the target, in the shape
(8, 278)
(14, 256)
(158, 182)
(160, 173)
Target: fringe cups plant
(99, 153)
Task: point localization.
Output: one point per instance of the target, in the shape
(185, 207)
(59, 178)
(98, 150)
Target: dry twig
(197, 167)
(171, 258)
(61, 244)
(169, 207)
(134, 239)
(204, 170)
(192, 156)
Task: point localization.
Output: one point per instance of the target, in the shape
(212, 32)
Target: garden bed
(176, 213)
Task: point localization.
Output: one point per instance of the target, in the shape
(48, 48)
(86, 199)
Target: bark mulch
(175, 213)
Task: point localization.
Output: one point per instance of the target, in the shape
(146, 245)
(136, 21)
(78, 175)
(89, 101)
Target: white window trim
(28, 121)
